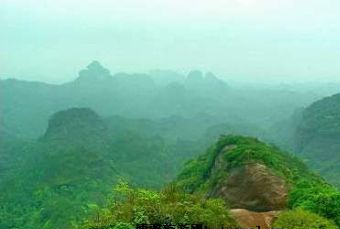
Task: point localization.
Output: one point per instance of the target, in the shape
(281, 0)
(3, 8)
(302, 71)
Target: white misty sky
(274, 40)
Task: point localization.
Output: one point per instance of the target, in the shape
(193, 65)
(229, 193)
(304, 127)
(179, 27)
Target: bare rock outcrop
(249, 219)
(253, 187)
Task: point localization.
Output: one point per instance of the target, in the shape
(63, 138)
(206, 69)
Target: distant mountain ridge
(132, 95)
(318, 136)
(94, 72)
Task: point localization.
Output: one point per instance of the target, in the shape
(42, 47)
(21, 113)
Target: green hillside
(310, 202)
(317, 137)
(230, 154)
(54, 181)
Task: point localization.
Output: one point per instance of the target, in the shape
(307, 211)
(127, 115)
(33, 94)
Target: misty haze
(145, 114)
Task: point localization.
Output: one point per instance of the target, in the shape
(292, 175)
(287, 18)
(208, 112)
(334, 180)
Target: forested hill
(59, 180)
(64, 146)
(249, 174)
(55, 181)
(317, 137)
(243, 182)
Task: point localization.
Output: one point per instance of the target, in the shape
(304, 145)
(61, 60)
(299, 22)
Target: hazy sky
(278, 40)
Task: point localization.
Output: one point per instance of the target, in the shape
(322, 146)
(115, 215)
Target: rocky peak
(253, 187)
(245, 172)
(252, 177)
(94, 72)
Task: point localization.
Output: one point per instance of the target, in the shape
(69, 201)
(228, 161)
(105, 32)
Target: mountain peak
(195, 75)
(246, 173)
(75, 124)
(94, 72)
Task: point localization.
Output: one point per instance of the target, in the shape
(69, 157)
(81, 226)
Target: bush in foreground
(129, 207)
(301, 219)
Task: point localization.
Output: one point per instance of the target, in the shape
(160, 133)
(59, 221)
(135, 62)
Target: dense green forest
(309, 202)
(170, 114)
(317, 137)
(209, 173)
(76, 163)
(115, 150)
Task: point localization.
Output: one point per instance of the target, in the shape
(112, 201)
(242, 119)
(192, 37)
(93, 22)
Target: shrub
(301, 219)
(140, 206)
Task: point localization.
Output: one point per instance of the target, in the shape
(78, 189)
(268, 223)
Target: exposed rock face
(253, 178)
(253, 187)
(249, 219)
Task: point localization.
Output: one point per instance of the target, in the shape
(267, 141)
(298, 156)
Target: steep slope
(234, 156)
(318, 137)
(251, 175)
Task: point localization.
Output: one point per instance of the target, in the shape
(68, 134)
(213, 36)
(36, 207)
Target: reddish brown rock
(249, 219)
(253, 187)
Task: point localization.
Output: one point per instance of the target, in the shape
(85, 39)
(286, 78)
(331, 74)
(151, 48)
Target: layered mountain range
(63, 147)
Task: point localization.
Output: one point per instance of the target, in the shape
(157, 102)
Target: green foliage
(321, 199)
(55, 182)
(66, 176)
(121, 225)
(322, 117)
(300, 219)
(131, 206)
(306, 189)
(317, 137)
